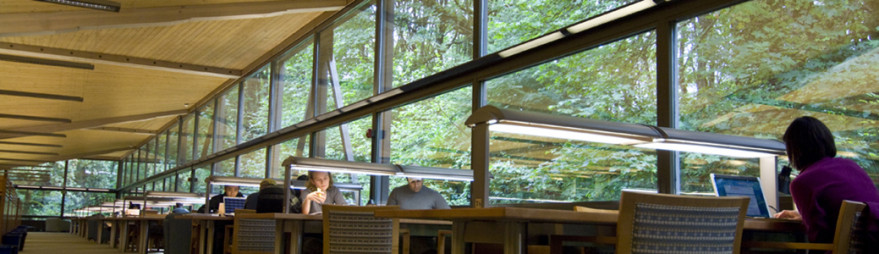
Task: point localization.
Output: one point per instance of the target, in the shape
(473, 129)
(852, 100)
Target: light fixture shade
(713, 143)
(563, 127)
(436, 173)
(101, 5)
(612, 15)
(313, 164)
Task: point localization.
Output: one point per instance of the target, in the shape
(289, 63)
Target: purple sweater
(820, 189)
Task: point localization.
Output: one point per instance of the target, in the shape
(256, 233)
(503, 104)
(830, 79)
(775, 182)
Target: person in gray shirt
(415, 196)
(320, 190)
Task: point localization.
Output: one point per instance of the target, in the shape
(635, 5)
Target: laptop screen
(748, 186)
(233, 203)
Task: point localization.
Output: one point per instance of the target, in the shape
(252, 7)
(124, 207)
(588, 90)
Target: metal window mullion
(239, 128)
(196, 115)
(384, 79)
(668, 171)
(64, 186)
(272, 152)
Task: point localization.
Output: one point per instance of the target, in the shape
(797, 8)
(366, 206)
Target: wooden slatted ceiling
(223, 43)
(109, 91)
(153, 124)
(17, 6)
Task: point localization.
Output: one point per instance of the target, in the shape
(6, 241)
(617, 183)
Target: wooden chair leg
(227, 239)
(405, 234)
(441, 240)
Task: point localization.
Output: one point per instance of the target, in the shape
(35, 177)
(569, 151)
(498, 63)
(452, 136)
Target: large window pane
(80, 199)
(225, 167)
(750, 69)
(92, 174)
(201, 174)
(430, 36)
(40, 202)
(227, 119)
(183, 180)
(431, 133)
(186, 134)
(253, 164)
(205, 130)
(352, 46)
(295, 82)
(150, 149)
(511, 22)
(256, 105)
(295, 147)
(173, 138)
(360, 145)
(598, 84)
(161, 151)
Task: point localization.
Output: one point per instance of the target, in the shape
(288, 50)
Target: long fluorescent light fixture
(611, 16)
(312, 164)
(531, 44)
(101, 5)
(436, 173)
(563, 127)
(713, 143)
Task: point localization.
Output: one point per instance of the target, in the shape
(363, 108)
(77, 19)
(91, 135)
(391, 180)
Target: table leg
(124, 232)
(143, 238)
(113, 228)
(295, 236)
(209, 246)
(100, 232)
(458, 245)
(514, 237)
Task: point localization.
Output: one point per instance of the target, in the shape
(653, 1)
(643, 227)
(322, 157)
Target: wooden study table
(508, 225)
(143, 223)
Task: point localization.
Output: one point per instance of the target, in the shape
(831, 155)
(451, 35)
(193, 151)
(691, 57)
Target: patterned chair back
(851, 229)
(662, 223)
(355, 229)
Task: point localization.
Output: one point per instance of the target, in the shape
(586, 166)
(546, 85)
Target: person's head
(807, 140)
(231, 190)
(319, 180)
(178, 205)
(265, 183)
(415, 184)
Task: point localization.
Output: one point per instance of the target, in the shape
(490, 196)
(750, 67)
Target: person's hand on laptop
(788, 214)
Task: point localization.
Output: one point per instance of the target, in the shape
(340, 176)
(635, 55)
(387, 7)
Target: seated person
(320, 190)
(271, 200)
(415, 196)
(214, 203)
(178, 209)
(250, 202)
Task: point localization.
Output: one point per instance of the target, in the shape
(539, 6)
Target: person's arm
(441, 202)
(306, 204)
(392, 199)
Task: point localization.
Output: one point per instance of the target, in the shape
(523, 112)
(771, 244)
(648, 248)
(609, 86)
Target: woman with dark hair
(320, 190)
(824, 181)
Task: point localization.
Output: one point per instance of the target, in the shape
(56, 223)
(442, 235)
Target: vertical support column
(479, 161)
(238, 129)
(324, 54)
(63, 186)
(668, 169)
(384, 79)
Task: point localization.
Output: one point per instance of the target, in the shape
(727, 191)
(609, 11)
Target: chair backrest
(663, 223)
(177, 231)
(355, 229)
(253, 235)
(850, 228)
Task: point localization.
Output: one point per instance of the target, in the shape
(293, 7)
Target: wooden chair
(663, 223)
(250, 235)
(848, 237)
(355, 229)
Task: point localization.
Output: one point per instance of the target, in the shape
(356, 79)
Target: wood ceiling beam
(4, 134)
(26, 152)
(100, 122)
(35, 118)
(128, 130)
(119, 60)
(41, 95)
(42, 23)
(93, 154)
(28, 144)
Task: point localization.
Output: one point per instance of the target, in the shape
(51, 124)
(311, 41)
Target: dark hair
(807, 141)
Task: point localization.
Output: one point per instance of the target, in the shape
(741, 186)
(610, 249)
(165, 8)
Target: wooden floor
(63, 243)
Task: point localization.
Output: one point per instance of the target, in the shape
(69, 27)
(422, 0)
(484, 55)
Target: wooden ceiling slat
(28, 24)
